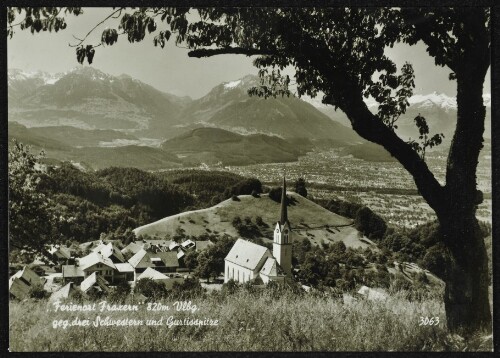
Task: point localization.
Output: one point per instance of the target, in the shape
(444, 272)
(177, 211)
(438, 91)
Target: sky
(170, 69)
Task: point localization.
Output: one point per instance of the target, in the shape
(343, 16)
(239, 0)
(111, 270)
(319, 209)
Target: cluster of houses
(106, 265)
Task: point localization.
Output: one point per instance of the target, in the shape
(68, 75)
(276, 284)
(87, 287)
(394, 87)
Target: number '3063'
(429, 321)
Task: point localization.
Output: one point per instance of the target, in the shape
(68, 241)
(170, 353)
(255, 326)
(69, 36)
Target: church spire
(284, 213)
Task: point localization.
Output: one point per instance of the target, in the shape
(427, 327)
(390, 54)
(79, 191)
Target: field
(385, 187)
(264, 321)
(308, 219)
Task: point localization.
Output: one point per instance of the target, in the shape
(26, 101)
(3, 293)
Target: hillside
(212, 145)
(70, 144)
(308, 220)
(67, 135)
(229, 106)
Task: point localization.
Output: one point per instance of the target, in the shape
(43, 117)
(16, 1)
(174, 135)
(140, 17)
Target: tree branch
(368, 126)
(205, 52)
(119, 10)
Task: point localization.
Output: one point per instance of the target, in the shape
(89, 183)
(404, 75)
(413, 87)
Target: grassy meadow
(263, 321)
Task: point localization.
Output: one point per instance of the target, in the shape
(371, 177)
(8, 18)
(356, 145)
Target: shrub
(247, 186)
(189, 289)
(259, 221)
(300, 187)
(38, 292)
(151, 288)
(275, 194)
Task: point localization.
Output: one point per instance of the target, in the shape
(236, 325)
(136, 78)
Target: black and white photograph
(241, 178)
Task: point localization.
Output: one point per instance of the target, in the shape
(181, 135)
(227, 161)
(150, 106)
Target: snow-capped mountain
(228, 106)
(439, 109)
(44, 78)
(423, 100)
(91, 99)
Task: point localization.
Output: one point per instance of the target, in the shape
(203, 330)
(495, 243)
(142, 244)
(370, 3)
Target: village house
(247, 261)
(110, 251)
(95, 284)
(95, 262)
(72, 273)
(22, 281)
(59, 254)
(63, 293)
(160, 261)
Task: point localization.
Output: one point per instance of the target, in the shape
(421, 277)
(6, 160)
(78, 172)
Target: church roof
(246, 254)
(271, 268)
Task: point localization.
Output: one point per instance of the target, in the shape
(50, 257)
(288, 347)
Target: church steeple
(282, 245)
(284, 212)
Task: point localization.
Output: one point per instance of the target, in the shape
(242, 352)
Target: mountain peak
(242, 83)
(91, 72)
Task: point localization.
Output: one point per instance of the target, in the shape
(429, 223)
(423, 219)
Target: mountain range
(89, 116)
(90, 99)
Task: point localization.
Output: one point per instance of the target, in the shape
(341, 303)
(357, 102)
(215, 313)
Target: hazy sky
(170, 69)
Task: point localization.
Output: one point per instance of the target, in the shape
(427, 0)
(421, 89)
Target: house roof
(152, 274)
(93, 259)
(93, 280)
(140, 259)
(65, 251)
(64, 292)
(124, 267)
(109, 250)
(247, 254)
(133, 247)
(169, 259)
(60, 250)
(98, 246)
(88, 282)
(188, 243)
(72, 271)
(203, 245)
(173, 245)
(18, 288)
(271, 268)
(26, 274)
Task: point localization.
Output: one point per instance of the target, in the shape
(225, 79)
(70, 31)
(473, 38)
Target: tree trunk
(466, 294)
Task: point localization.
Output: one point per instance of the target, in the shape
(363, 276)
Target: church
(247, 261)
